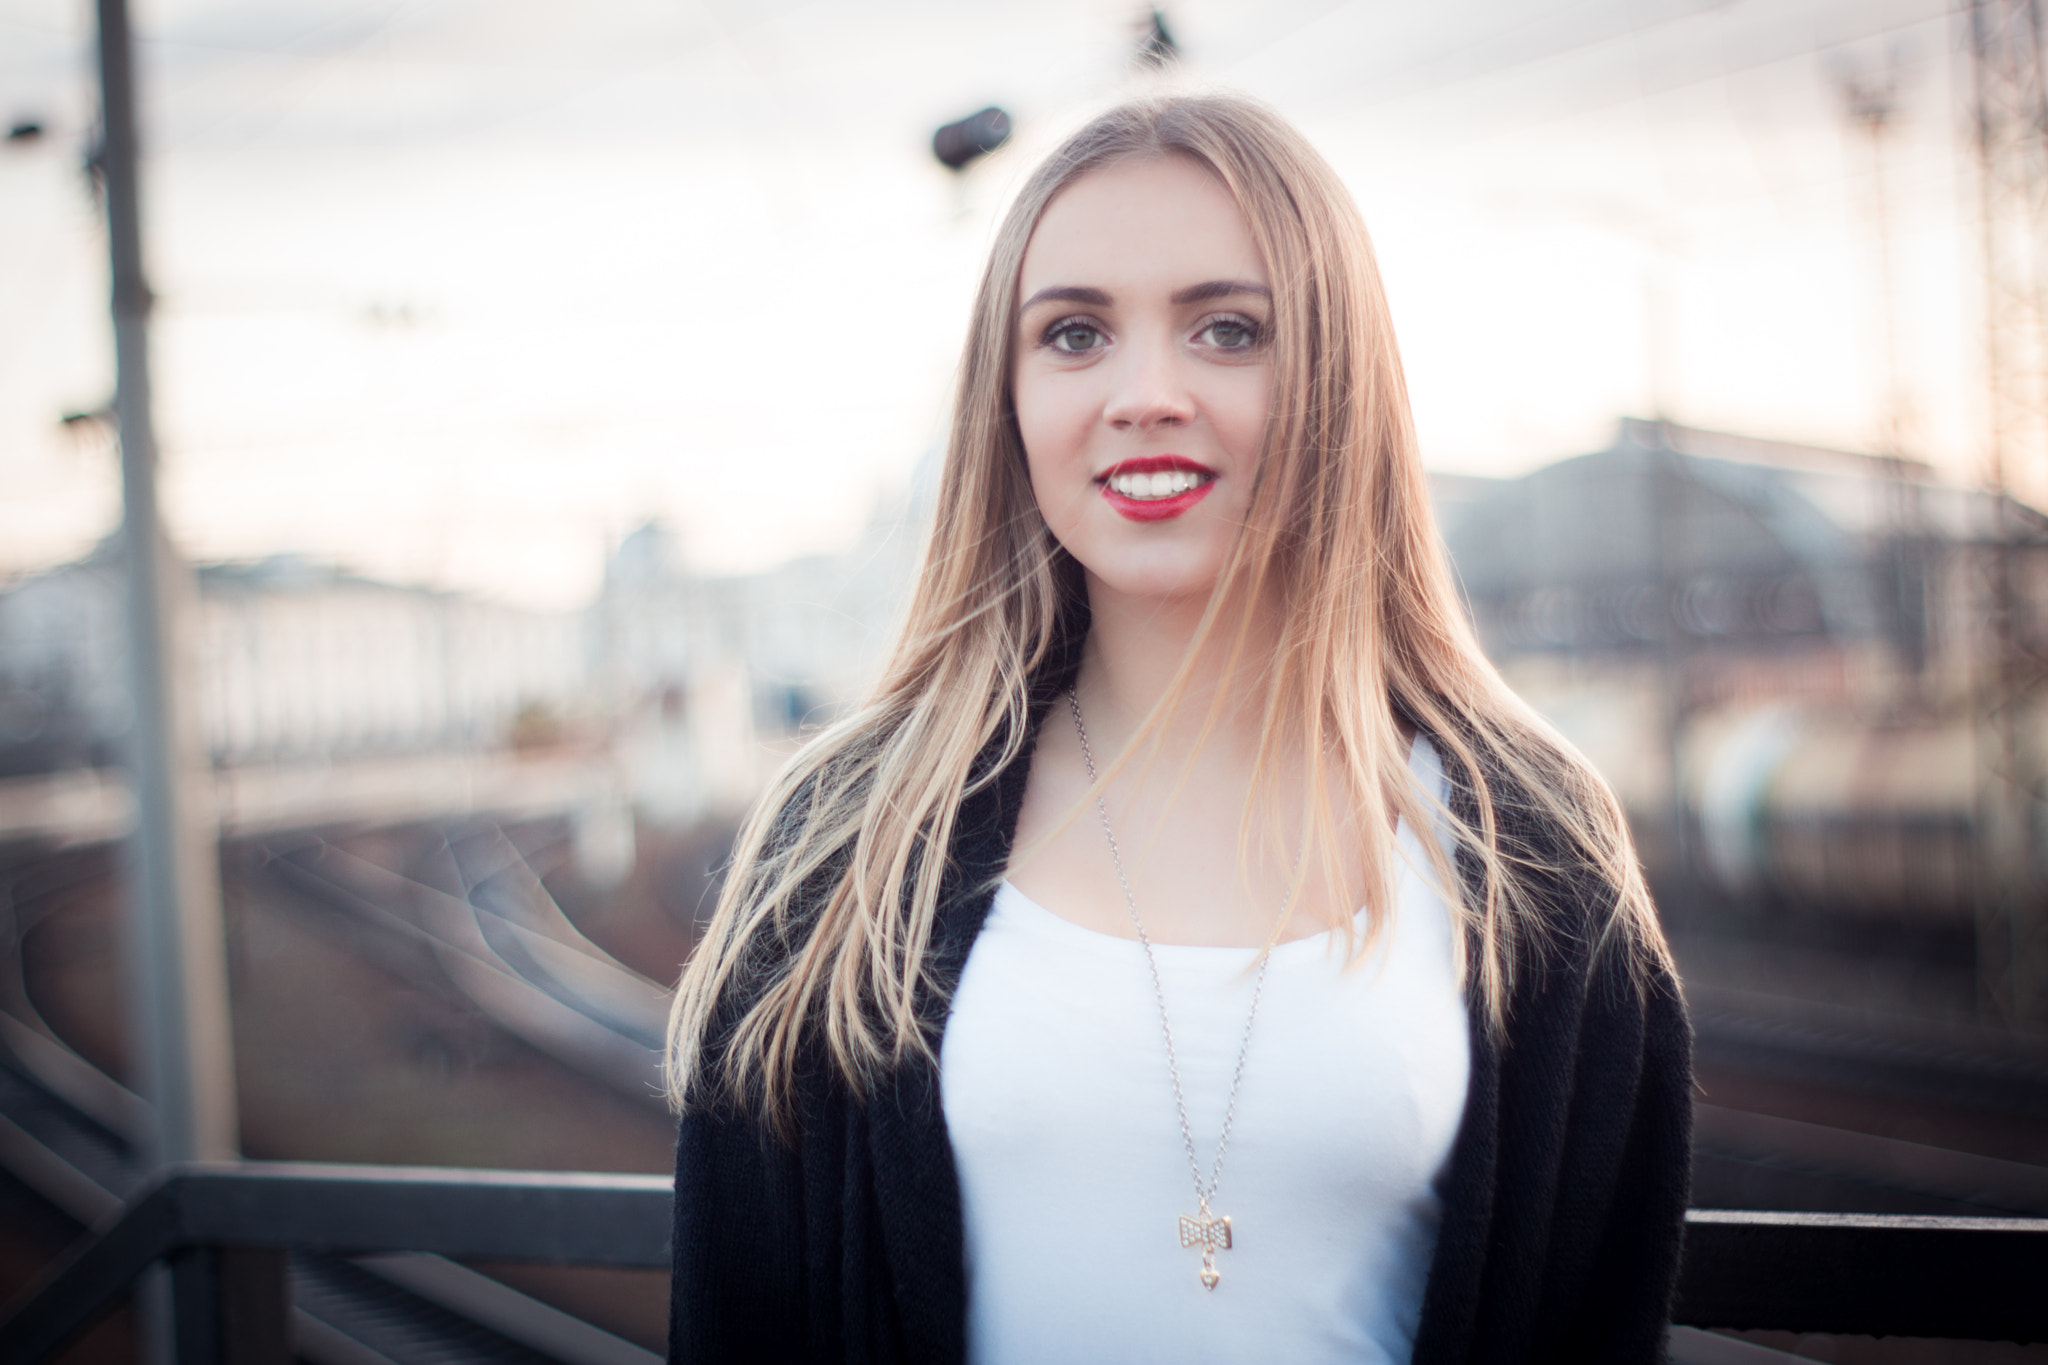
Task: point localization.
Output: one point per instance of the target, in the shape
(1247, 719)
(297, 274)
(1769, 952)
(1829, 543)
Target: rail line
(476, 915)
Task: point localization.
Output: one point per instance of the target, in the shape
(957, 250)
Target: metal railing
(225, 1230)
(1865, 1274)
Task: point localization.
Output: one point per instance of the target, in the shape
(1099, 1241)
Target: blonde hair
(824, 925)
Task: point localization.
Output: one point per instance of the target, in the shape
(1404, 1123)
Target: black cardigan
(1562, 1209)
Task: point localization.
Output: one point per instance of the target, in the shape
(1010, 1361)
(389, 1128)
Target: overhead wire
(1697, 8)
(593, 77)
(1718, 72)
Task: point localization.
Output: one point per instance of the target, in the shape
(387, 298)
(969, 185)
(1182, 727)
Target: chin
(1174, 580)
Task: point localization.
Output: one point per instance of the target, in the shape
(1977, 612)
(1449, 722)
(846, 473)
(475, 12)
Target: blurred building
(296, 660)
(326, 694)
(710, 678)
(1775, 653)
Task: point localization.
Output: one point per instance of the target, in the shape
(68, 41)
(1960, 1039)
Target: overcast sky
(459, 291)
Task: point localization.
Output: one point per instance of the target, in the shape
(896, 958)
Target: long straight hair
(828, 910)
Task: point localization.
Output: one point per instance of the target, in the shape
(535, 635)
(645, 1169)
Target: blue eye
(1073, 337)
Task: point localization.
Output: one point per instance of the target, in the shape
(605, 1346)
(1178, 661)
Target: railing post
(233, 1306)
(178, 1003)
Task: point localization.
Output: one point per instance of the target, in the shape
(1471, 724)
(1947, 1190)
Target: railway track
(68, 1133)
(1803, 1106)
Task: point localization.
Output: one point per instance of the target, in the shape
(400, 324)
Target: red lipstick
(1159, 508)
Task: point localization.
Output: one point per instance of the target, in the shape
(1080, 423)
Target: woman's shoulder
(1543, 800)
(801, 849)
(1562, 850)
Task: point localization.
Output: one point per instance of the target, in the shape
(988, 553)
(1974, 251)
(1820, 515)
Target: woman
(1117, 874)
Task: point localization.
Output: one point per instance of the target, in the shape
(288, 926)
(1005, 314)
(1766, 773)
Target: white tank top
(1073, 1175)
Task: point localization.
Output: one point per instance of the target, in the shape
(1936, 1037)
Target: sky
(459, 292)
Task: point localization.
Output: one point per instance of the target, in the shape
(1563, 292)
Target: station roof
(1666, 501)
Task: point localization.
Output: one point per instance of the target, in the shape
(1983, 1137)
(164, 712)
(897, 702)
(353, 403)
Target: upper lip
(1154, 464)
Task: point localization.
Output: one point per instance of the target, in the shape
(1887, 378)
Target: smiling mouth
(1155, 487)
(1149, 487)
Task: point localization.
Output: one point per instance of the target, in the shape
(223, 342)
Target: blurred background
(548, 400)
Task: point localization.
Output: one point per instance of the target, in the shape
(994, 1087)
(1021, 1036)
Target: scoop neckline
(1293, 947)
(1039, 918)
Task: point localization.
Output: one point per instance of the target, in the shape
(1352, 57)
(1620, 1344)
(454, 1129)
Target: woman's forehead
(1151, 224)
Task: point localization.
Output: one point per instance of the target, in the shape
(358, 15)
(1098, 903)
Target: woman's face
(1142, 373)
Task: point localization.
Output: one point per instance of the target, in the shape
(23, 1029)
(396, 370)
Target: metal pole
(178, 964)
(2010, 97)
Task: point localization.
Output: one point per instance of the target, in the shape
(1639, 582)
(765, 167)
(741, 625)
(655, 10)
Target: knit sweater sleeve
(740, 1250)
(1623, 1173)
(737, 1246)
(841, 1242)
(1564, 1200)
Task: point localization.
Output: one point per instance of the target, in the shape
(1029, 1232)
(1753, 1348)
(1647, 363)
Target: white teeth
(1150, 487)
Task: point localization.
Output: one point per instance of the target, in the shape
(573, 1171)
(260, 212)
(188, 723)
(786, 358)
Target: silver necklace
(1208, 1231)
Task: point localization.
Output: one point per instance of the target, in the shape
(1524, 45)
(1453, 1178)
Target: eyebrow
(1220, 289)
(1194, 293)
(1067, 293)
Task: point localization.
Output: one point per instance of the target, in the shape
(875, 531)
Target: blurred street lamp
(92, 431)
(1156, 45)
(958, 144)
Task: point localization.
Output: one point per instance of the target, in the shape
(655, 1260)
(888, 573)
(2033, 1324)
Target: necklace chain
(1204, 1192)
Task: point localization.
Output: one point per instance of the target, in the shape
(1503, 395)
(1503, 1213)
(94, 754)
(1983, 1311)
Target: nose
(1148, 389)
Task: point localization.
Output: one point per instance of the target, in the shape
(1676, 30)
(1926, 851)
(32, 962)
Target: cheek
(1241, 417)
(1055, 453)
(1045, 419)
(1053, 426)
(1027, 400)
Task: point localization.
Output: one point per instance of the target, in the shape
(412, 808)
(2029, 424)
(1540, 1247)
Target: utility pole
(2010, 132)
(177, 961)
(178, 964)
(1872, 104)
(209, 1304)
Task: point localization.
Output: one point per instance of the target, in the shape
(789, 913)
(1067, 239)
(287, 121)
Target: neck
(1136, 648)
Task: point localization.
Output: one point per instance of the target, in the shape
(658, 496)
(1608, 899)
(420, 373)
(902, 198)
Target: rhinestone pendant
(1211, 1234)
